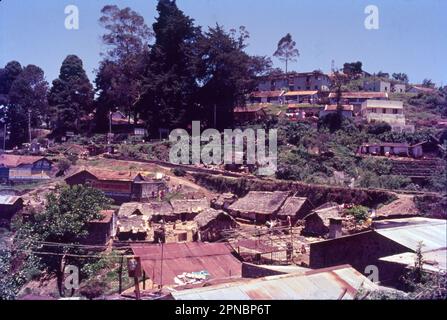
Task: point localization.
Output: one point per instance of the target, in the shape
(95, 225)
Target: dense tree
(229, 73)
(170, 80)
(353, 68)
(381, 74)
(7, 76)
(106, 101)
(119, 80)
(64, 220)
(428, 83)
(286, 50)
(27, 104)
(400, 77)
(71, 95)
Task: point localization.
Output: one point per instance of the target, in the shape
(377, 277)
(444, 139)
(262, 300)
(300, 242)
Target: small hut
(223, 201)
(259, 206)
(187, 209)
(318, 222)
(295, 208)
(211, 223)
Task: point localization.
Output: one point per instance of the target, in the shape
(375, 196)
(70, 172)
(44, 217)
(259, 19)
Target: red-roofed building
(248, 114)
(357, 98)
(122, 186)
(101, 231)
(19, 168)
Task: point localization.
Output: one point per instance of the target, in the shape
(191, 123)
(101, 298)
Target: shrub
(179, 172)
(64, 164)
(360, 213)
(379, 128)
(93, 289)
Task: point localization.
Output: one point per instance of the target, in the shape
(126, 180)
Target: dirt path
(404, 205)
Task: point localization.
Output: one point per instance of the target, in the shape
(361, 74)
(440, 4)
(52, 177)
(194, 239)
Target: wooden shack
(212, 223)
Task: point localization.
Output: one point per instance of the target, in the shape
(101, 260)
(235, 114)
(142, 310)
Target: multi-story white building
(391, 112)
(306, 81)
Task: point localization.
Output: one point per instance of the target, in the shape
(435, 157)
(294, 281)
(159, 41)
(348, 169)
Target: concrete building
(347, 111)
(309, 97)
(391, 112)
(377, 86)
(294, 81)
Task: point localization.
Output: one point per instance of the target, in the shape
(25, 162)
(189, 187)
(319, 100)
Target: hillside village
(361, 185)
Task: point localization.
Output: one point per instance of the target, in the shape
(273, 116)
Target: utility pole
(109, 136)
(215, 116)
(29, 125)
(4, 136)
(110, 122)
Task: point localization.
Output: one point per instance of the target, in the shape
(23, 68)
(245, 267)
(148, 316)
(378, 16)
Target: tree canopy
(286, 50)
(71, 95)
(119, 79)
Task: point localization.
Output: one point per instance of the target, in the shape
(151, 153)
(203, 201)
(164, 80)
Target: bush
(179, 172)
(64, 164)
(379, 128)
(93, 289)
(360, 213)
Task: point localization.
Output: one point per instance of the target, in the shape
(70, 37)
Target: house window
(383, 110)
(182, 237)
(395, 111)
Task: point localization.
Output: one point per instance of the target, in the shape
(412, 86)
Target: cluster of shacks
(262, 206)
(174, 221)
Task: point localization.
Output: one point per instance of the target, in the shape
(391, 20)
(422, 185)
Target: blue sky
(412, 37)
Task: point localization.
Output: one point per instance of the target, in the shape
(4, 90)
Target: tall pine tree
(170, 80)
(71, 95)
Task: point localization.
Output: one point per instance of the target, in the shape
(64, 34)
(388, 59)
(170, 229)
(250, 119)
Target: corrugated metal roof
(360, 95)
(178, 258)
(341, 282)
(8, 200)
(267, 94)
(12, 161)
(409, 232)
(433, 261)
(300, 93)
